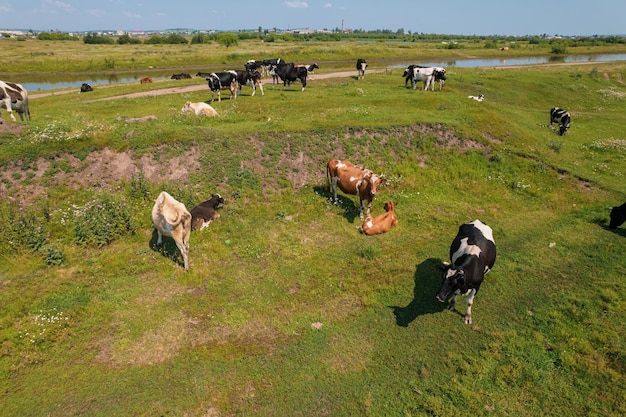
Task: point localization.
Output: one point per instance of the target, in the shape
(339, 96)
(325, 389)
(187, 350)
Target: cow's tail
(328, 178)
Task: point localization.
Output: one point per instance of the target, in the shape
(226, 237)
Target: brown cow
(204, 213)
(171, 218)
(382, 223)
(145, 80)
(353, 180)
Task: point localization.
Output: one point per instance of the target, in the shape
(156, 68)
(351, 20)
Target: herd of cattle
(473, 250)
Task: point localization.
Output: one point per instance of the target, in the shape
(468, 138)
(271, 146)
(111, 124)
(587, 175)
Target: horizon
(455, 17)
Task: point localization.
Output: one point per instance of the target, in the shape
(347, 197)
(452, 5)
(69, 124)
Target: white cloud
(54, 7)
(297, 4)
(132, 15)
(328, 5)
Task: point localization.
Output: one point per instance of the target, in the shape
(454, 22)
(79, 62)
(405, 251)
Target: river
(56, 81)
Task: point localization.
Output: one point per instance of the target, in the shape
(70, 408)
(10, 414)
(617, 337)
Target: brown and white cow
(199, 109)
(171, 218)
(381, 223)
(204, 213)
(14, 97)
(353, 180)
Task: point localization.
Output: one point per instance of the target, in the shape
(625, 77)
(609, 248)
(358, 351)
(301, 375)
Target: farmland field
(287, 310)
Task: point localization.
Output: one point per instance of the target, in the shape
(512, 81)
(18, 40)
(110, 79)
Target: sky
(454, 17)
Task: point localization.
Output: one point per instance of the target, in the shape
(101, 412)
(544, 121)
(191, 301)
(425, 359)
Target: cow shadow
(427, 281)
(167, 248)
(350, 205)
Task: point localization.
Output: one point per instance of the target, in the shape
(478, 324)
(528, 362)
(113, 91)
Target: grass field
(287, 310)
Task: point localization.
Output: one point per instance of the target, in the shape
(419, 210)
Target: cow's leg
(452, 302)
(7, 104)
(183, 251)
(414, 84)
(334, 188)
(261, 88)
(470, 302)
(159, 238)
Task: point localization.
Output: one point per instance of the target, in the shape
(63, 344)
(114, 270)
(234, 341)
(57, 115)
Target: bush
(102, 220)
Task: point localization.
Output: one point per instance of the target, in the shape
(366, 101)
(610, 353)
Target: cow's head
(452, 280)
(371, 182)
(217, 201)
(618, 217)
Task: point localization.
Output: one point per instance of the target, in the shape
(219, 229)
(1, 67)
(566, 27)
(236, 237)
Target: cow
(145, 80)
(381, 223)
(429, 75)
(353, 180)
(85, 88)
(222, 80)
(202, 74)
(618, 216)
(199, 109)
(561, 117)
(309, 68)
(269, 64)
(252, 65)
(479, 97)
(171, 218)
(14, 97)
(473, 254)
(289, 73)
(251, 78)
(204, 213)
(360, 68)
(181, 76)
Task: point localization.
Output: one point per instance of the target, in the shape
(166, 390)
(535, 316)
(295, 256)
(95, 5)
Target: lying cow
(561, 117)
(181, 76)
(353, 180)
(382, 223)
(473, 254)
(222, 80)
(14, 97)
(171, 218)
(204, 213)
(479, 97)
(618, 216)
(199, 109)
(360, 68)
(85, 88)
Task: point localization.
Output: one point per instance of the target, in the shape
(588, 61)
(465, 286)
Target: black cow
(203, 74)
(562, 117)
(360, 67)
(204, 213)
(251, 78)
(222, 80)
(618, 216)
(253, 65)
(473, 254)
(85, 88)
(181, 76)
(289, 73)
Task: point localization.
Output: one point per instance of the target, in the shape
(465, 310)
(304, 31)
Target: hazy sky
(462, 17)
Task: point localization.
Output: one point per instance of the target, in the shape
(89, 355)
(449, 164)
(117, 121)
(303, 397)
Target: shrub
(102, 220)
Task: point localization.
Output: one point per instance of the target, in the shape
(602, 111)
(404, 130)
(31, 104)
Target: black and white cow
(222, 80)
(85, 88)
(251, 78)
(429, 75)
(618, 216)
(561, 117)
(473, 254)
(14, 97)
(204, 213)
(360, 67)
(289, 73)
(309, 68)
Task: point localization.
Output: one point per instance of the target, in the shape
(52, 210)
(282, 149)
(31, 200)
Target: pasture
(286, 309)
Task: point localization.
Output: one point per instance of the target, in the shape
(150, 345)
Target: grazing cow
(309, 68)
(473, 254)
(204, 213)
(222, 80)
(429, 75)
(289, 73)
(85, 88)
(360, 67)
(562, 117)
(199, 109)
(251, 78)
(171, 218)
(480, 97)
(269, 64)
(382, 223)
(145, 80)
(618, 216)
(14, 97)
(181, 76)
(353, 180)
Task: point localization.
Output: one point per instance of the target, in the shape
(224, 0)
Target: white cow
(14, 97)
(199, 109)
(171, 218)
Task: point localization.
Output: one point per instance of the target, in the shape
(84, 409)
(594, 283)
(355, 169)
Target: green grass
(122, 330)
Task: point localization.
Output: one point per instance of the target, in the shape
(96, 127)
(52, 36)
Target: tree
(228, 39)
